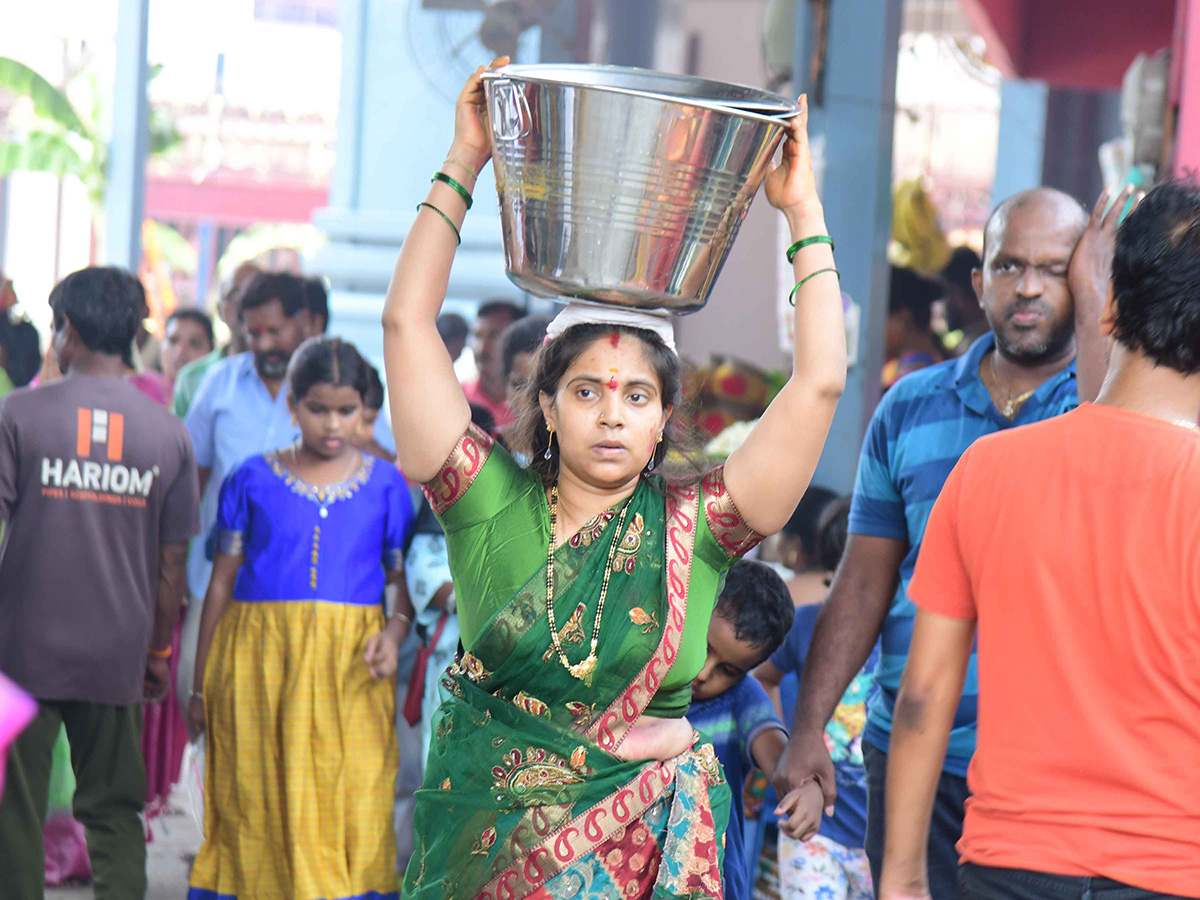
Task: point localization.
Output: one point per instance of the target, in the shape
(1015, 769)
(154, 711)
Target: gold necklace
(584, 668)
(1012, 404)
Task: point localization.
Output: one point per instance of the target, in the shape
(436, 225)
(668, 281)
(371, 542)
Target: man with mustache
(1021, 371)
(241, 410)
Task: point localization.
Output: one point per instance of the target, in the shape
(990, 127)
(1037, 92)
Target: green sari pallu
(524, 796)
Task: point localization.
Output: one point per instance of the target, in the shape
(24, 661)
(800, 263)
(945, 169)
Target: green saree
(524, 795)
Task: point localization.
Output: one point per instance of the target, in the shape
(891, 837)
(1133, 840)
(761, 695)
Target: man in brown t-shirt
(99, 490)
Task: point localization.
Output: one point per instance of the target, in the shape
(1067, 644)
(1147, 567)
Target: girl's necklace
(1012, 404)
(582, 670)
(324, 500)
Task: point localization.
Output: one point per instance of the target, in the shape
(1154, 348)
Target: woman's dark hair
(530, 436)
(104, 304)
(757, 602)
(913, 292)
(373, 399)
(522, 336)
(201, 318)
(291, 291)
(22, 349)
(1156, 277)
(317, 299)
(957, 272)
(803, 523)
(327, 360)
(832, 533)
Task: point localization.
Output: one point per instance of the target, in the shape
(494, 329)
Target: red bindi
(612, 384)
(615, 339)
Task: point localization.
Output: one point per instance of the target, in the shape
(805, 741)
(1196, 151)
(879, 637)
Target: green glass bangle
(446, 179)
(809, 277)
(453, 227)
(808, 241)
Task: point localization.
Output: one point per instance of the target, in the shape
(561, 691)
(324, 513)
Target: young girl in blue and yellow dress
(299, 702)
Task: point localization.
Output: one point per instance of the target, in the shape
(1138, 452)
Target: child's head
(753, 615)
(832, 533)
(327, 384)
(372, 404)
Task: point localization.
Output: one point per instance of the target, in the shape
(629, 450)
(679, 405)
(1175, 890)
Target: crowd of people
(510, 639)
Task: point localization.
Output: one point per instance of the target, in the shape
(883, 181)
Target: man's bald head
(1069, 211)
(1022, 286)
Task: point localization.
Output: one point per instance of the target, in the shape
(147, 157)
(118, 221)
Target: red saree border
(459, 471)
(613, 725)
(582, 835)
(724, 519)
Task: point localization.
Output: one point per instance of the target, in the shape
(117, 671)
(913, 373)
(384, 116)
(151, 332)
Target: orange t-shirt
(1075, 543)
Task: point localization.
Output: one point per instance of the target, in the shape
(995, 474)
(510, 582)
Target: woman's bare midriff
(655, 738)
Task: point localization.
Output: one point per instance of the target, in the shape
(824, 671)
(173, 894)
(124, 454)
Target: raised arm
(768, 474)
(1089, 277)
(429, 411)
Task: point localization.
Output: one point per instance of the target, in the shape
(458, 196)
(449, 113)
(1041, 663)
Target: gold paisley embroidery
(531, 705)
(581, 713)
(578, 757)
(471, 668)
(483, 842)
(591, 530)
(648, 620)
(625, 559)
(532, 778)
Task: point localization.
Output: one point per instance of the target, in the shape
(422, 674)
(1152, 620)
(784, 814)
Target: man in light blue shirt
(241, 410)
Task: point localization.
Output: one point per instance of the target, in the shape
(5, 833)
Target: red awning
(235, 201)
(1070, 43)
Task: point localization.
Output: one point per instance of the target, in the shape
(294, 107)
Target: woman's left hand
(383, 649)
(791, 185)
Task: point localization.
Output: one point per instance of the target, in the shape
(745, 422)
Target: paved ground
(176, 840)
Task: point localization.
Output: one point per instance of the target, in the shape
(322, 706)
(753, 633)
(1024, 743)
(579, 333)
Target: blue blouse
(303, 542)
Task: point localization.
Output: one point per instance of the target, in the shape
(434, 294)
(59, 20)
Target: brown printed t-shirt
(93, 477)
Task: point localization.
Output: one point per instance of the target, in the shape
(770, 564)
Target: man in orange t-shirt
(1072, 546)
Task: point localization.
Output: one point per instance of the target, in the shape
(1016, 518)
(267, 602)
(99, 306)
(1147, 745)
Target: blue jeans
(945, 828)
(988, 883)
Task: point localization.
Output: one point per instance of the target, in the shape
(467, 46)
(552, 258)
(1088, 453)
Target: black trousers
(989, 883)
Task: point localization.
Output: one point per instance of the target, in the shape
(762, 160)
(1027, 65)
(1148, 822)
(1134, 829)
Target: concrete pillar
(856, 122)
(123, 198)
(1022, 140)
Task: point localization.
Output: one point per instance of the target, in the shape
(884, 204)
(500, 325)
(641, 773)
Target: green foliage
(48, 101)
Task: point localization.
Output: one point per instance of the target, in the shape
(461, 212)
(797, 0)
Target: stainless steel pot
(622, 185)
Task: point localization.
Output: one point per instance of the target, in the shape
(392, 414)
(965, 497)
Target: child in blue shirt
(832, 865)
(749, 623)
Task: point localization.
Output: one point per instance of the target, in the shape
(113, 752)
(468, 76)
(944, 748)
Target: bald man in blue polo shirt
(1020, 371)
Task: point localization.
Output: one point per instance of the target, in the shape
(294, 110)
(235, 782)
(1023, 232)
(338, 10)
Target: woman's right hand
(471, 147)
(197, 720)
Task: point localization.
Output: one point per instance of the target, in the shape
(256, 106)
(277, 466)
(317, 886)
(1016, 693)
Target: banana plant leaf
(48, 101)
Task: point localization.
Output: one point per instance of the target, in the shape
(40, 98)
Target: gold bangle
(450, 160)
(403, 617)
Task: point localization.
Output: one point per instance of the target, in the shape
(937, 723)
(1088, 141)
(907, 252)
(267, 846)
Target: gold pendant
(583, 669)
(1008, 410)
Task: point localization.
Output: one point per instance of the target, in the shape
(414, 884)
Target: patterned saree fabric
(523, 757)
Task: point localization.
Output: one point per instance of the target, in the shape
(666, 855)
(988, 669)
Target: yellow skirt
(302, 757)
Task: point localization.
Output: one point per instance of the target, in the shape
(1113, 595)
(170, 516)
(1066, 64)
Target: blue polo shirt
(233, 417)
(920, 429)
